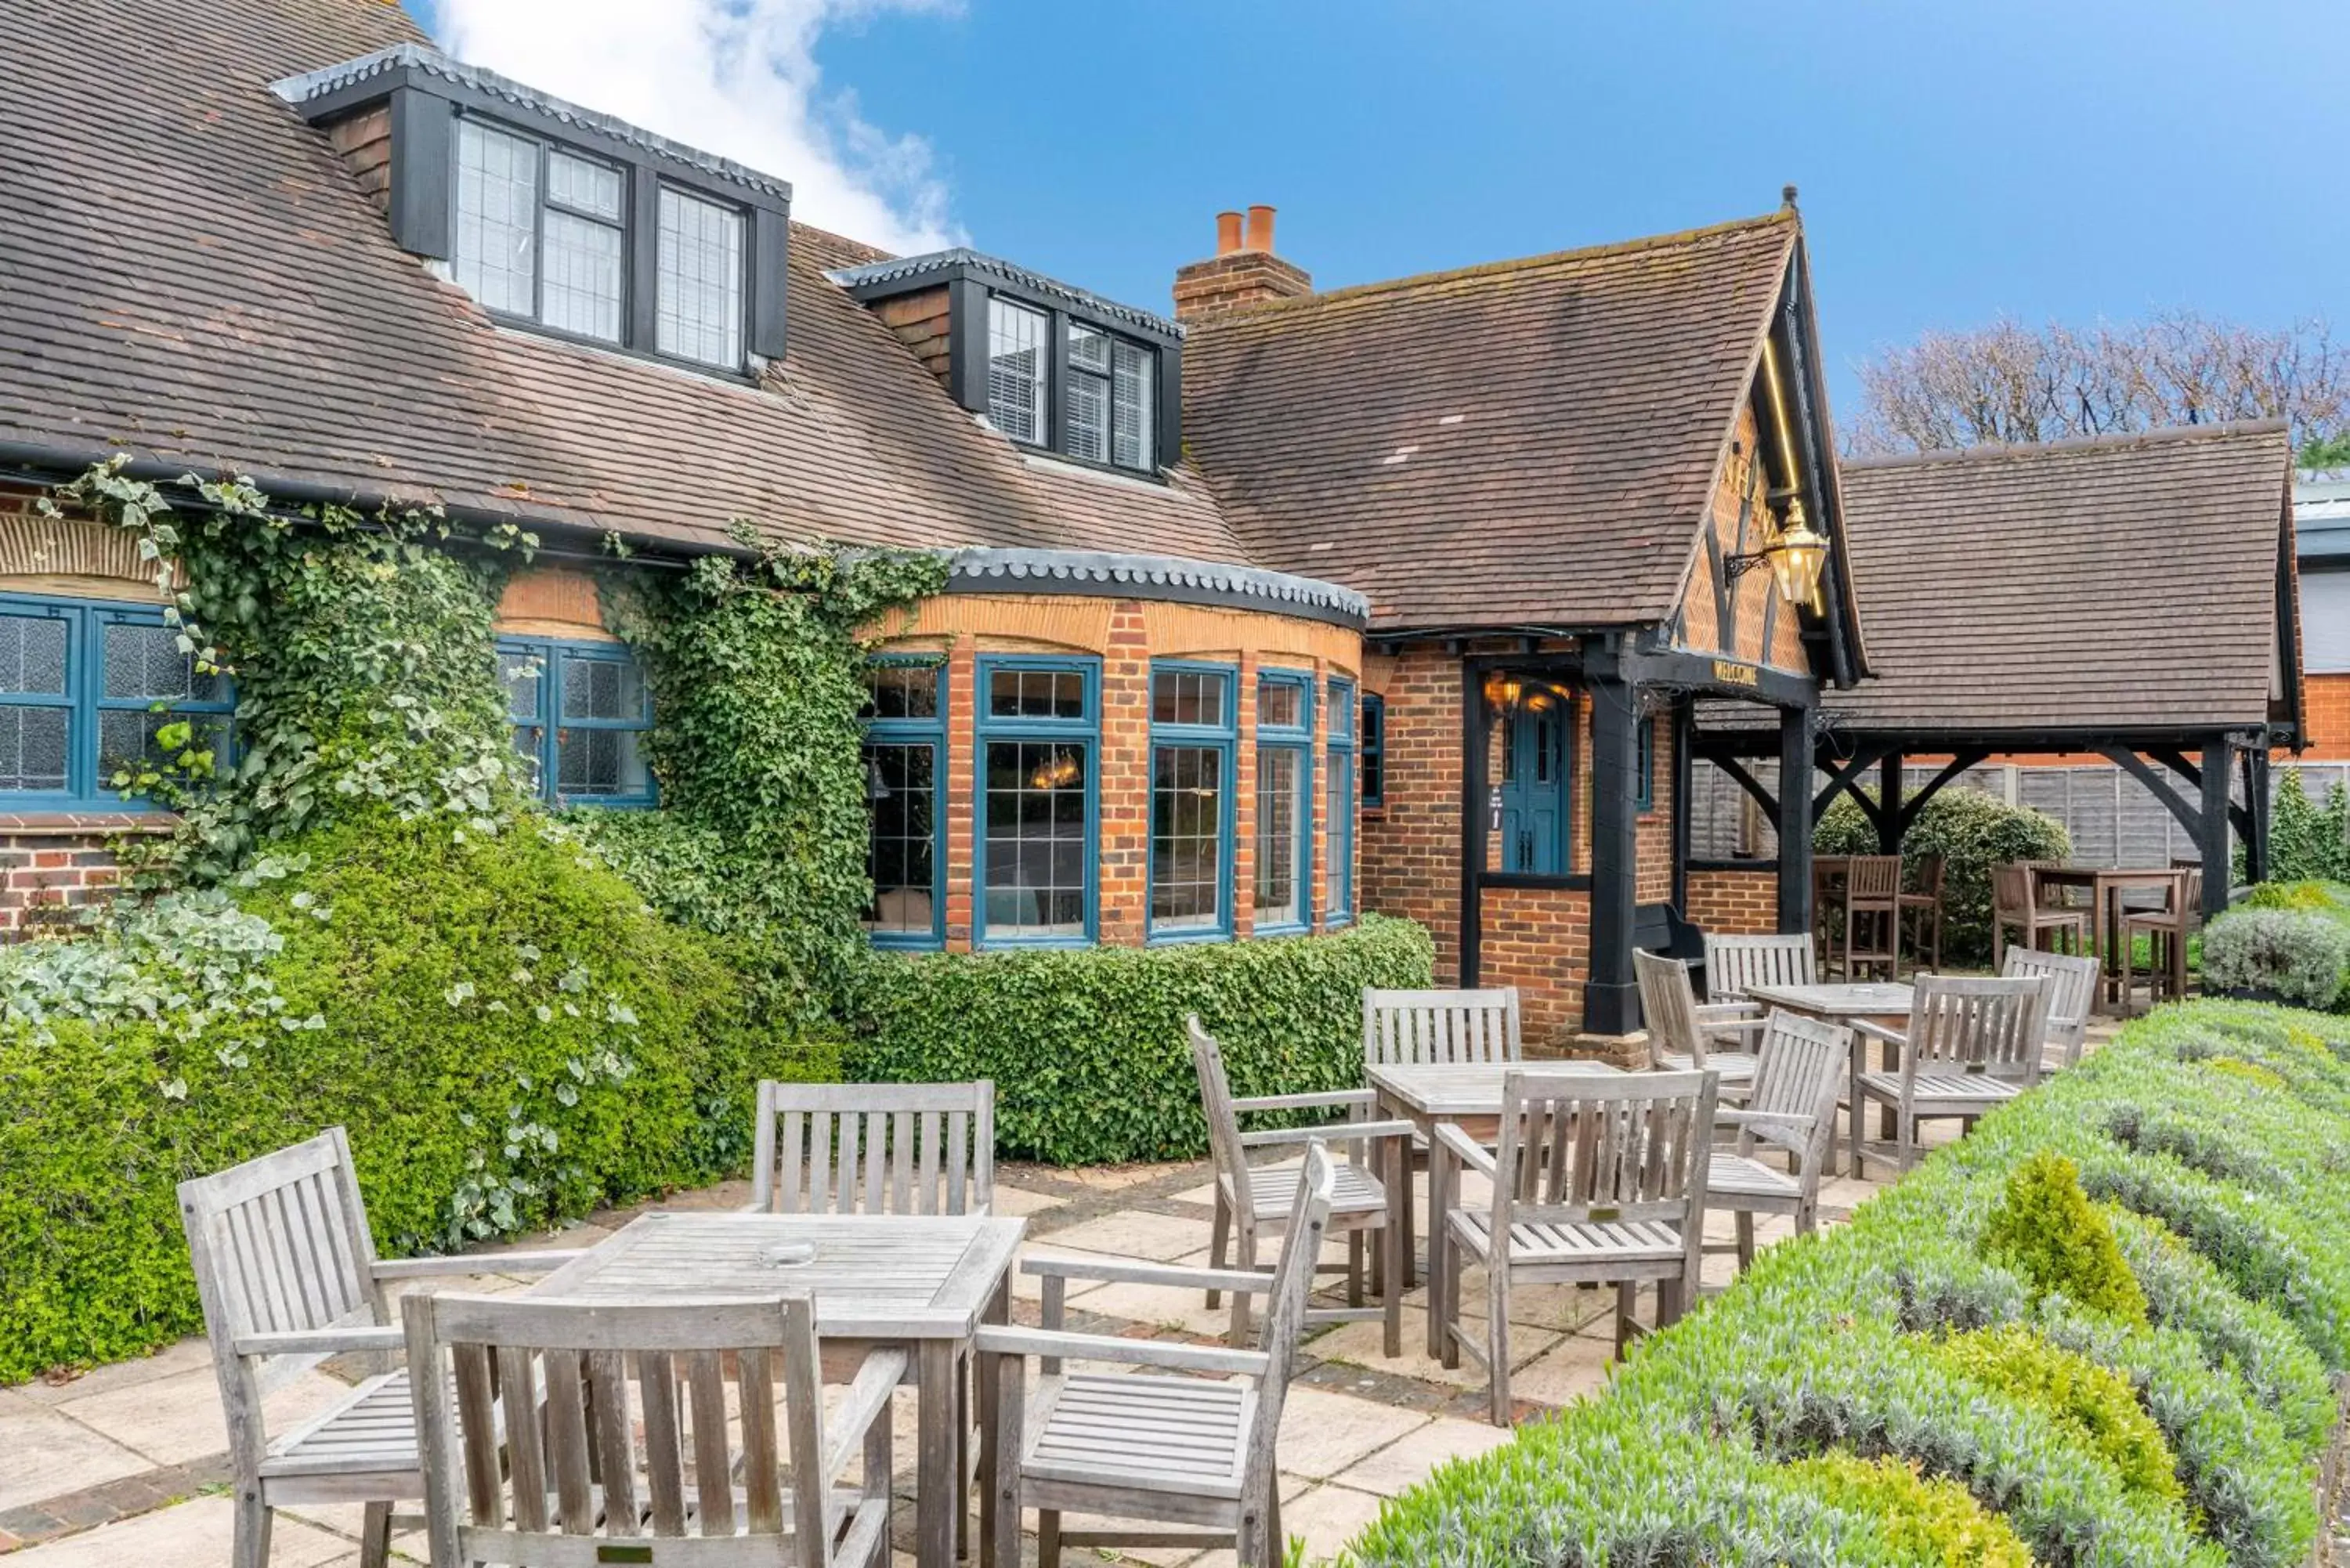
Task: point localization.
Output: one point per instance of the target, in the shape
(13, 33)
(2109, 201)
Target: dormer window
(560, 219)
(1053, 367)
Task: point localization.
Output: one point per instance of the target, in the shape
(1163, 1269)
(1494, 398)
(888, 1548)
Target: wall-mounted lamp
(1795, 554)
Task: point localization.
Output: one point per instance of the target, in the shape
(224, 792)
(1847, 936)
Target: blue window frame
(1194, 719)
(86, 689)
(1644, 750)
(579, 711)
(905, 770)
(1038, 733)
(1371, 747)
(1284, 801)
(1340, 894)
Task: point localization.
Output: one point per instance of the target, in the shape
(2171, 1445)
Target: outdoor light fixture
(877, 788)
(1795, 556)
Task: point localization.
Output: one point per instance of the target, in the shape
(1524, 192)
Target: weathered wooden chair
(1597, 1181)
(1413, 1027)
(2167, 930)
(1683, 1037)
(1179, 1450)
(1972, 1045)
(1798, 1073)
(2072, 992)
(1921, 909)
(1872, 904)
(1254, 1200)
(528, 1414)
(1735, 966)
(874, 1148)
(2016, 906)
(287, 1271)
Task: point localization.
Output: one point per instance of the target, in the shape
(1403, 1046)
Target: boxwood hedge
(2211, 1140)
(1086, 1045)
(509, 1034)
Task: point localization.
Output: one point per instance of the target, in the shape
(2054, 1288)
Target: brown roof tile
(1530, 442)
(190, 272)
(2124, 583)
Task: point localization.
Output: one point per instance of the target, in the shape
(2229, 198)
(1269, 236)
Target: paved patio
(123, 1467)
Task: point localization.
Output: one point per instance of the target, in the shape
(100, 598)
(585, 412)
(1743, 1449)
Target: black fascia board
(1107, 315)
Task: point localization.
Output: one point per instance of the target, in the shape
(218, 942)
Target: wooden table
(927, 1281)
(2105, 886)
(1469, 1095)
(1840, 1004)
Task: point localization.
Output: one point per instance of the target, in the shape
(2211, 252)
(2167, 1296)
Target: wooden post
(1888, 804)
(1611, 995)
(1795, 821)
(1684, 790)
(2213, 841)
(2256, 809)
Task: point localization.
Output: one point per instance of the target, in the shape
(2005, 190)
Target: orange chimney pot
(1260, 229)
(1228, 233)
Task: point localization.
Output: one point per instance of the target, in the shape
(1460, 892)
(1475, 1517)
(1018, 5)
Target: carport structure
(2126, 597)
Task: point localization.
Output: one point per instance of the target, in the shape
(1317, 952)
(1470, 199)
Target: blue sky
(1957, 160)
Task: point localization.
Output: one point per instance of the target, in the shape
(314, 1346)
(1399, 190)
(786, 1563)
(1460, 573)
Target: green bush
(1972, 833)
(1937, 1520)
(2187, 1433)
(1086, 1045)
(2080, 1395)
(509, 1036)
(2308, 842)
(2046, 1229)
(2297, 955)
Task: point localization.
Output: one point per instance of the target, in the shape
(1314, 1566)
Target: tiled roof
(1527, 443)
(2127, 582)
(1155, 576)
(189, 272)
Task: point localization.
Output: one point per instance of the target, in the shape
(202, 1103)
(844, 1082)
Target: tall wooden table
(926, 1281)
(1876, 1002)
(1469, 1095)
(2105, 886)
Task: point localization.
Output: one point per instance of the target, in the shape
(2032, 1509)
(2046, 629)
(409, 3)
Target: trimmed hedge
(2211, 1137)
(1972, 833)
(509, 1036)
(1086, 1045)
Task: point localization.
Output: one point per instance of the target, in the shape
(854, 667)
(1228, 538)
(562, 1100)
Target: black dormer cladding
(426, 93)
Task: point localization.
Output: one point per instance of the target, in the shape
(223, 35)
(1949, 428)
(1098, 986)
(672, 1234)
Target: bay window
(905, 754)
(1284, 802)
(1340, 833)
(1037, 728)
(1192, 725)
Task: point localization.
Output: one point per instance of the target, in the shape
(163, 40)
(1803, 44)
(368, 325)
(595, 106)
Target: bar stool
(2167, 930)
(1922, 905)
(1872, 891)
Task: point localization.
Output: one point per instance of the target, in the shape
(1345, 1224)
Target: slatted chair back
(1579, 1149)
(2010, 891)
(1872, 879)
(1736, 965)
(2072, 991)
(1799, 1068)
(1216, 1104)
(528, 1433)
(1977, 1025)
(280, 1245)
(1669, 1006)
(1927, 872)
(1420, 1028)
(874, 1148)
(2190, 893)
(1293, 1282)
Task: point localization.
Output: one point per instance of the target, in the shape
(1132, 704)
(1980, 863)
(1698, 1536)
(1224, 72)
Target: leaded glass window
(496, 258)
(579, 712)
(905, 748)
(95, 699)
(1191, 729)
(1284, 805)
(583, 243)
(1017, 342)
(1037, 734)
(699, 303)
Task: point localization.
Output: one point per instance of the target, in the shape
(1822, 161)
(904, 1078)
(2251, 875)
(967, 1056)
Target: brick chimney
(1243, 272)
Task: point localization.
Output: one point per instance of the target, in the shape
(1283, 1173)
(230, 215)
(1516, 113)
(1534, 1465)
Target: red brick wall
(1734, 903)
(1412, 847)
(2325, 717)
(54, 862)
(1540, 942)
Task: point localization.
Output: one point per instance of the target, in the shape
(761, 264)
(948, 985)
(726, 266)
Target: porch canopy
(2130, 598)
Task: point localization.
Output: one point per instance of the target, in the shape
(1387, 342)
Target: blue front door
(1533, 790)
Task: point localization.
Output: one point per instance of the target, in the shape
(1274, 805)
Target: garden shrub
(2078, 1394)
(2049, 1231)
(1937, 1520)
(507, 1034)
(2295, 955)
(2307, 841)
(1973, 832)
(1086, 1045)
(2187, 1432)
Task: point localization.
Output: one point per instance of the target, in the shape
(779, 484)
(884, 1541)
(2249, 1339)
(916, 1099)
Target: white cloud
(737, 77)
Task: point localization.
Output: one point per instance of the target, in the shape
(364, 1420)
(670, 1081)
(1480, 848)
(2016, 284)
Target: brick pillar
(1124, 762)
(963, 764)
